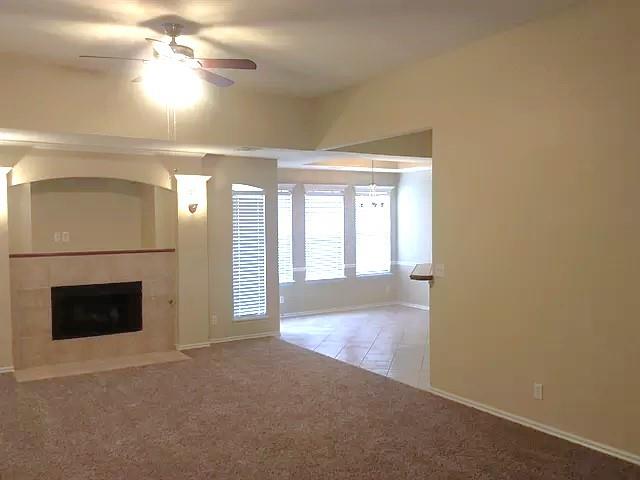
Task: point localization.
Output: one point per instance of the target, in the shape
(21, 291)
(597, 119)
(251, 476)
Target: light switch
(65, 237)
(56, 237)
(439, 270)
(537, 391)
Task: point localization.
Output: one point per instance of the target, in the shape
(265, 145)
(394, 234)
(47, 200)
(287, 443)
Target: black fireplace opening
(94, 310)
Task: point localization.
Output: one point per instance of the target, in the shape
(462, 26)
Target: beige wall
(193, 262)
(165, 215)
(20, 232)
(225, 172)
(414, 235)
(98, 214)
(535, 213)
(49, 98)
(301, 296)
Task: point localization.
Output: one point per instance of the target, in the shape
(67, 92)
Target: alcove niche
(90, 214)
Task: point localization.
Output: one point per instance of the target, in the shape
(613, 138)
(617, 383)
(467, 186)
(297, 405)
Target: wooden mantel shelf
(90, 252)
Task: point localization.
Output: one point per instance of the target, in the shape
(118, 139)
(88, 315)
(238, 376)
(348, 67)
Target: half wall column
(193, 262)
(6, 339)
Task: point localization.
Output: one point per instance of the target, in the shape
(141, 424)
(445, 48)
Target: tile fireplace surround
(33, 275)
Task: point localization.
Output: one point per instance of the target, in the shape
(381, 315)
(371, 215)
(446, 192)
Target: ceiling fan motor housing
(174, 30)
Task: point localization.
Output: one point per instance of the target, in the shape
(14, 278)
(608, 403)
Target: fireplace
(94, 310)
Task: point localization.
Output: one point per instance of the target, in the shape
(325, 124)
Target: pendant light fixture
(372, 185)
(375, 200)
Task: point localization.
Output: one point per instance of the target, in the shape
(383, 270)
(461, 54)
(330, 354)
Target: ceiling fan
(181, 54)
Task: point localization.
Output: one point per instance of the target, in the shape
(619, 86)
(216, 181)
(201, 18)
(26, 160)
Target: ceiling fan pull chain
(172, 127)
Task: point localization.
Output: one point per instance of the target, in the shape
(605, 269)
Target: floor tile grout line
(370, 347)
(340, 351)
(322, 341)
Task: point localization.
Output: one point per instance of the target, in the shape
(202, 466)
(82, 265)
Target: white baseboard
(191, 346)
(414, 305)
(351, 308)
(585, 442)
(9, 369)
(212, 341)
(336, 310)
(244, 337)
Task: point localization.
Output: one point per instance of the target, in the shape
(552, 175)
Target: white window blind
(324, 232)
(249, 255)
(285, 233)
(373, 231)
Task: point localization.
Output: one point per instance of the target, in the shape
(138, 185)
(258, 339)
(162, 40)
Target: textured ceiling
(302, 47)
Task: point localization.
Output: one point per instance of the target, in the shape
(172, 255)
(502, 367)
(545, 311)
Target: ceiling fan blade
(114, 58)
(236, 63)
(217, 80)
(161, 48)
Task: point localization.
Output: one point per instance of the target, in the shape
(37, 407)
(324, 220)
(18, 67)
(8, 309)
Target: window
(249, 256)
(324, 232)
(373, 230)
(285, 233)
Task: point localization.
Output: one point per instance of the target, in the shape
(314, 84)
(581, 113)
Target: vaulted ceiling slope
(302, 47)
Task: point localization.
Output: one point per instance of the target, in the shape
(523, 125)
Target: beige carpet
(266, 409)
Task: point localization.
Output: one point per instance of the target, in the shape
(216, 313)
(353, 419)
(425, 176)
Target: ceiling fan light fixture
(172, 83)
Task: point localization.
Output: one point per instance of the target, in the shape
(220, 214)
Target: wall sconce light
(192, 192)
(192, 199)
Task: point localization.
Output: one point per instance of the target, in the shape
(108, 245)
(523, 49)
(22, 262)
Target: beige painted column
(193, 262)
(6, 340)
(20, 228)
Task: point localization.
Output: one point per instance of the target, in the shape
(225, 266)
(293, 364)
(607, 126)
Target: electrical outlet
(281, 299)
(537, 391)
(56, 237)
(65, 237)
(214, 320)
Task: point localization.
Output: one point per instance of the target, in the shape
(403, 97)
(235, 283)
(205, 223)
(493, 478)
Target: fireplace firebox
(94, 310)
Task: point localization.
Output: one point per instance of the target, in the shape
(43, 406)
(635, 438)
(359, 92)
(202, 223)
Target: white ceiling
(302, 47)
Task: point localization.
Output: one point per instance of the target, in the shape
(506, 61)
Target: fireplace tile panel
(160, 286)
(35, 322)
(70, 271)
(32, 298)
(30, 275)
(31, 282)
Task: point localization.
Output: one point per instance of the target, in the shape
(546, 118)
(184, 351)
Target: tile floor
(390, 341)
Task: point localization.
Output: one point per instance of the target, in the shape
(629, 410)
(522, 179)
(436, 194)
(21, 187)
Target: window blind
(373, 231)
(285, 233)
(324, 232)
(249, 253)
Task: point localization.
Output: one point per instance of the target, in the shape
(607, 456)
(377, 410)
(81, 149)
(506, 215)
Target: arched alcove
(90, 214)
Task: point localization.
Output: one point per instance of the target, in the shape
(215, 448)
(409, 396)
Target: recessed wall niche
(90, 214)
